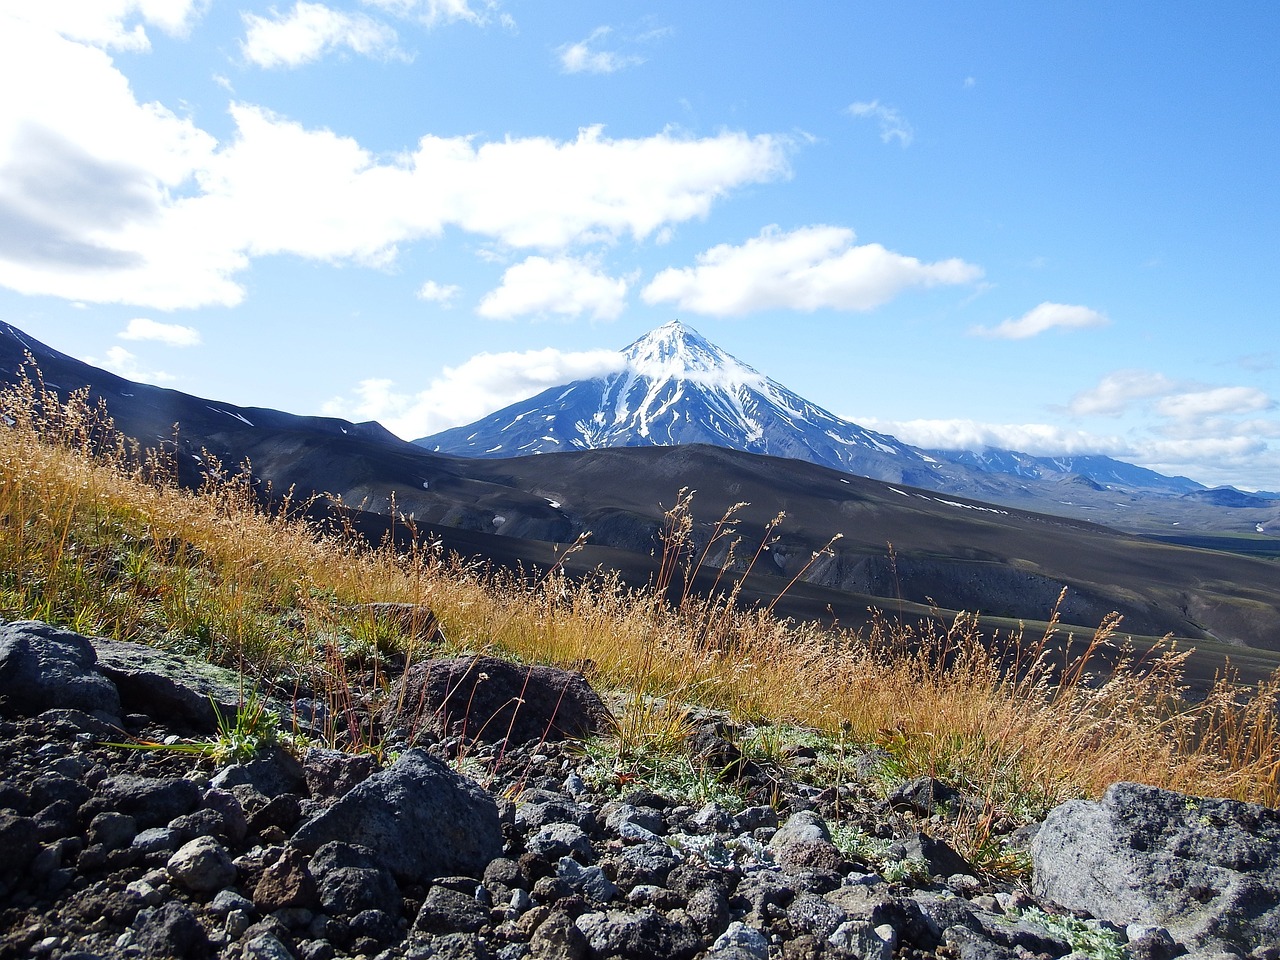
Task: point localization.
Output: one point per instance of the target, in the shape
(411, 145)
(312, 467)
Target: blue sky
(1051, 226)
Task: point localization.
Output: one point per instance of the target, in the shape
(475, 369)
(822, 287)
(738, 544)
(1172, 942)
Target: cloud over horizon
(477, 387)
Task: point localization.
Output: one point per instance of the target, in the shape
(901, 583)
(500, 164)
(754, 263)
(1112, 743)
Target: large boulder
(420, 819)
(1207, 870)
(169, 687)
(489, 699)
(42, 667)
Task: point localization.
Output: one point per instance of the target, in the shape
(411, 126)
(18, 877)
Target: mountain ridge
(673, 386)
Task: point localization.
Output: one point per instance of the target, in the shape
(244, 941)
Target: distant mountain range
(949, 552)
(676, 387)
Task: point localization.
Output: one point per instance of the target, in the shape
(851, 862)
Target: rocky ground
(310, 853)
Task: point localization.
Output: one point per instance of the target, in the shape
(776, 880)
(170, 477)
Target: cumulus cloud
(1117, 391)
(807, 269)
(1214, 401)
(441, 293)
(108, 24)
(105, 199)
(1039, 319)
(467, 392)
(892, 124)
(310, 31)
(170, 334)
(585, 57)
(563, 286)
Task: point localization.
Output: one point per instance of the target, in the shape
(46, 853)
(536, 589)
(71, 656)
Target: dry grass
(95, 535)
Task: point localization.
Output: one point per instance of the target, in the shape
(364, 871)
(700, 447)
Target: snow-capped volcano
(673, 386)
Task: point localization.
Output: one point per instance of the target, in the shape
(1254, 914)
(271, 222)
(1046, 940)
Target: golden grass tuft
(96, 535)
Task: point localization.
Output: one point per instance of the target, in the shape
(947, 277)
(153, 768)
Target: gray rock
(346, 891)
(804, 844)
(858, 938)
(19, 845)
(761, 890)
(643, 935)
(286, 882)
(151, 801)
(272, 772)
(591, 882)
(537, 808)
(754, 818)
(490, 699)
(558, 938)
(420, 819)
(331, 773)
(167, 686)
(228, 805)
(43, 667)
(556, 840)
(202, 866)
(708, 907)
(938, 855)
(810, 913)
(740, 942)
(265, 946)
(1207, 870)
(170, 930)
(804, 825)
(448, 911)
(618, 815)
(649, 863)
(712, 818)
(455, 946)
(113, 830)
(968, 944)
(156, 840)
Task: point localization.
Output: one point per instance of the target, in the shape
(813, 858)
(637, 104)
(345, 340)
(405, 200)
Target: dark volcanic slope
(958, 554)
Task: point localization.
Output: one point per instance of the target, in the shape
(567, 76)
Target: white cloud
(810, 268)
(170, 334)
(582, 57)
(1212, 402)
(108, 24)
(1241, 460)
(105, 199)
(1037, 439)
(123, 363)
(479, 386)
(563, 286)
(89, 180)
(443, 294)
(435, 12)
(1117, 391)
(1041, 318)
(311, 30)
(892, 124)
